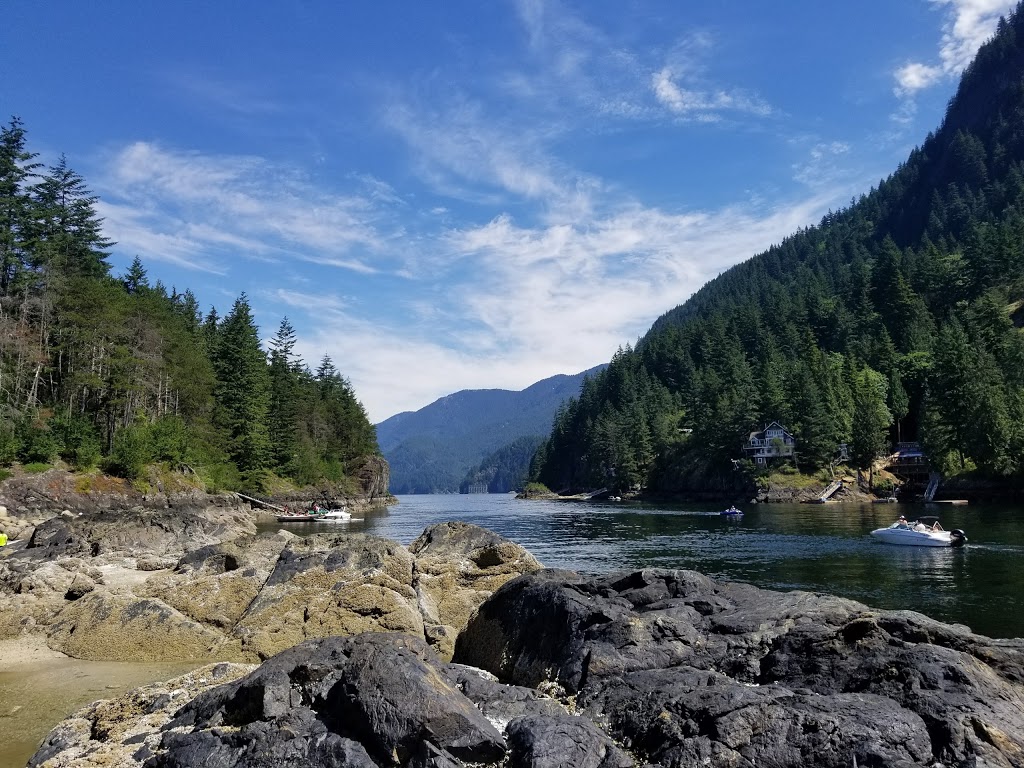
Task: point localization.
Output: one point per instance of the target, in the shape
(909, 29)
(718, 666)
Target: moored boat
(925, 532)
(335, 516)
(297, 517)
(732, 512)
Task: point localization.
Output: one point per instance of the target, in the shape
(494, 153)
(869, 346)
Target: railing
(833, 487)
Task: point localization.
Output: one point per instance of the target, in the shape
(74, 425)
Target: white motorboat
(925, 532)
(335, 516)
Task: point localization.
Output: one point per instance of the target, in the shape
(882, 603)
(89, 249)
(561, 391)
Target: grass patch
(5, 473)
(536, 489)
(37, 467)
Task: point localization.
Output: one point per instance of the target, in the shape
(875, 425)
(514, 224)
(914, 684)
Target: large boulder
(330, 584)
(457, 567)
(114, 627)
(372, 700)
(217, 584)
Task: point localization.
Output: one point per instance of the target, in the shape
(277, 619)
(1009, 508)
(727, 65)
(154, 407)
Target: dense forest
(119, 373)
(507, 469)
(897, 318)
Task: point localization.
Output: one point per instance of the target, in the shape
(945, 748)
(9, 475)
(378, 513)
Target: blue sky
(472, 195)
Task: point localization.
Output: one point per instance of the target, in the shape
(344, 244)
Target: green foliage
(169, 440)
(536, 489)
(220, 477)
(77, 438)
(36, 467)
(507, 469)
(132, 451)
(884, 486)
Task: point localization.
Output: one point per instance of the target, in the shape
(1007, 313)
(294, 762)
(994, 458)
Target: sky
(472, 195)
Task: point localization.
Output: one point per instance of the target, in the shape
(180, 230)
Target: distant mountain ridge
(432, 449)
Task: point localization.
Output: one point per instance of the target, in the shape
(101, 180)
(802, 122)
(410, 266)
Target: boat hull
(910, 538)
(336, 517)
(296, 518)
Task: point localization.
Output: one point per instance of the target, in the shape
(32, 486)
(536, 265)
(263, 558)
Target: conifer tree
(243, 388)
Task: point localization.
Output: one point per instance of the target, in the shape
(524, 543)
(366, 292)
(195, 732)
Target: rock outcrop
(685, 670)
(157, 585)
(654, 668)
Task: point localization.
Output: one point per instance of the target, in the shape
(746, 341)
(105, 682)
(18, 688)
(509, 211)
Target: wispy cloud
(704, 106)
(968, 24)
(187, 208)
(821, 167)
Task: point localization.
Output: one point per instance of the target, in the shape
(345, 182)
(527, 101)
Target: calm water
(823, 548)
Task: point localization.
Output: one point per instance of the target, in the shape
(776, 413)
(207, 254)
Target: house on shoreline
(773, 442)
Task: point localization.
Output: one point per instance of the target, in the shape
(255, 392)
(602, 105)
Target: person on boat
(902, 523)
(316, 507)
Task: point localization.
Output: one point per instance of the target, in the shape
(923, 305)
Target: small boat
(925, 532)
(886, 500)
(297, 517)
(335, 516)
(732, 512)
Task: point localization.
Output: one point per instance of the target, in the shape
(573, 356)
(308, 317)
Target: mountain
(432, 449)
(897, 318)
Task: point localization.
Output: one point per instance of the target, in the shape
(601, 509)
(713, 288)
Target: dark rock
(387, 692)
(501, 704)
(686, 670)
(552, 741)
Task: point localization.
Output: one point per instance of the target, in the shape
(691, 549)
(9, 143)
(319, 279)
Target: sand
(26, 650)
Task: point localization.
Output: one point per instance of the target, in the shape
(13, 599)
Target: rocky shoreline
(460, 650)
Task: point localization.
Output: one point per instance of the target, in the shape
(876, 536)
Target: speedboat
(732, 512)
(335, 516)
(920, 534)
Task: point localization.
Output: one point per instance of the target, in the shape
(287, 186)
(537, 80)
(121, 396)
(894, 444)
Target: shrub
(220, 476)
(169, 440)
(131, 452)
(78, 440)
(36, 467)
(536, 489)
(40, 446)
(884, 486)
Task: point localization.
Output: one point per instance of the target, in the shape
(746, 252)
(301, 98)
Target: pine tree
(284, 397)
(16, 170)
(243, 388)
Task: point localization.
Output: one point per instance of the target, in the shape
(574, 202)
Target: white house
(773, 442)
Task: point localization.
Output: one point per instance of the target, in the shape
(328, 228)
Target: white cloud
(968, 24)
(188, 208)
(703, 105)
(820, 167)
(537, 301)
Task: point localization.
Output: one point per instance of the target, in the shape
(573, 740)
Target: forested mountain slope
(432, 449)
(118, 373)
(896, 318)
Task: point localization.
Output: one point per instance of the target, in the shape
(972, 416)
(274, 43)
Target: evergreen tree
(284, 397)
(16, 171)
(243, 388)
(871, 418)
